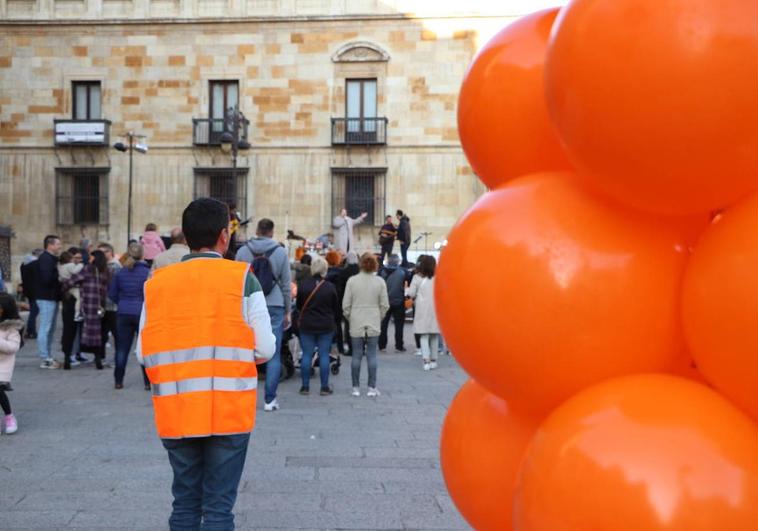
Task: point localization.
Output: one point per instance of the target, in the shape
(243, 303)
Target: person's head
(205, 223)
(388, 219)
(393, 260)
(99, 261)
(426, 266)
(76, 254)
(52, 244)
(177, 236)
(343, 212)
(135, 252)
(351, 258)
(107, 248)
(36, 252)
(306, 259)
(265, 228)
(333, 258)
(65, 258)
(151, 227)
(369, 263)
(399, 214)
(319, 267)
(8, 307)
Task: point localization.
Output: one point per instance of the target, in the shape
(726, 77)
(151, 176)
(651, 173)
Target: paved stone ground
(87, 456)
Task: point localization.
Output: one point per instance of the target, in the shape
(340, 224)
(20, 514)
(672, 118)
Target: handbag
(305, 305)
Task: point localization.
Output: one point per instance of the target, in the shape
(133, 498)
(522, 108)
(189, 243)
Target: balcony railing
(208, 131)
(359, 131)
(82, 132)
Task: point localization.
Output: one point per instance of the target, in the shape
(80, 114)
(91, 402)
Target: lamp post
(142, 148)
(230, 140)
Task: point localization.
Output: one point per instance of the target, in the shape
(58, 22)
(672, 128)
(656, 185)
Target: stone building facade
(347, 103)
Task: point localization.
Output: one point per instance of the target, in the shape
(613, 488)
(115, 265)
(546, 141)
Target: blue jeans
(31, 322)
(274, 365)
(126, 328)
(309, 342)
(48, 314)
(207, 473)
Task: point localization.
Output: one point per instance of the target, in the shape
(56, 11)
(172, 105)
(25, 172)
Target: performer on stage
(344, 238)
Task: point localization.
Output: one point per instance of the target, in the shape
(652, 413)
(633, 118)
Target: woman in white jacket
(10, 342)
(425, 316)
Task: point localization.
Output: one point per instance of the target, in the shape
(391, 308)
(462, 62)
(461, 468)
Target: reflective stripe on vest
(199, 353)
(215, 383)
(198, 349)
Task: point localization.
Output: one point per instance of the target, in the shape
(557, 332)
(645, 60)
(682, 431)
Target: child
(152, 243)
(10, 342)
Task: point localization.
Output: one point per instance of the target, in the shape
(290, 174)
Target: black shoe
(304, 390)
(326, 391)
(399, 349)
(30, 336)
(119, 386)
(98, 364)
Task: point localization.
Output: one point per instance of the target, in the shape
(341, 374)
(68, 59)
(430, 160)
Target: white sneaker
(418, 353)
(427, 366)
(373, 391)
(433, 365)
(356, 392)
(50, 364)
(271, 406)
(74, 362)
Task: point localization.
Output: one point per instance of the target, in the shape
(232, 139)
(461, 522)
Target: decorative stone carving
(360, 52)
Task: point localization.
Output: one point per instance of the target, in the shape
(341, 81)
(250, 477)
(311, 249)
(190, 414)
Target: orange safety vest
(198, 350)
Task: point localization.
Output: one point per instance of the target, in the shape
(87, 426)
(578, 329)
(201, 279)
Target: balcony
(208, 131)
(359, 131)
(82, 132)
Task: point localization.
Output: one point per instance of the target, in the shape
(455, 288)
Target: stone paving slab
(87, 457)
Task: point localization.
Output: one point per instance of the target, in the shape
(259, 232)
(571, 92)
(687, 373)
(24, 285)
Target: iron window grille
(360, 190)
(81, 196)
(228, 185)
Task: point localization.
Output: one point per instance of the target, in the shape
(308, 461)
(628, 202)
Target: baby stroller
(335, 362)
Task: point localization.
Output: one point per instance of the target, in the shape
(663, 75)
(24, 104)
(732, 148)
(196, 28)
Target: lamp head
(119, 146)
(142, 148)
(243, 145)
(226, 141)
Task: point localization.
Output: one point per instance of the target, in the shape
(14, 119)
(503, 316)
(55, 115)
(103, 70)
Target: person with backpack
(270, 264)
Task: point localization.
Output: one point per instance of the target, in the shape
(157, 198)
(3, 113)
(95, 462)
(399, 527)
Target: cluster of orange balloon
(609, 331)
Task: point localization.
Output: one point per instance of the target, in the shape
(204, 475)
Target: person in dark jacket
(395, 277)
(127, 291)
(404, 235)
(318, 309)
(28, 282)
(387, 235)
(350, 270)
(47, 293)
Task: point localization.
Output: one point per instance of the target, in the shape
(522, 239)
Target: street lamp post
(142, 148)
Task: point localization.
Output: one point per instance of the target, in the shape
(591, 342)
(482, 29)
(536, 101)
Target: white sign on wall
(81, 132)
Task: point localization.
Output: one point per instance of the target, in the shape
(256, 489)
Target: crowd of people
(337, 304)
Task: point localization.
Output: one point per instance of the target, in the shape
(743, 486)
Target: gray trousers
(371, 344)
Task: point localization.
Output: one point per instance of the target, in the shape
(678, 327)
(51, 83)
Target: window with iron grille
(81, 196)
(228, 185)
(86, 100)
(359, 190)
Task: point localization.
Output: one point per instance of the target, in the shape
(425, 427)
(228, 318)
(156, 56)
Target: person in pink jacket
(152, 243)
(10, 342)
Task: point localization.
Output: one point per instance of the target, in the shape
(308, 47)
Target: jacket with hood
(404, 230)
(281, 295)
(10, 342)
(153, 244)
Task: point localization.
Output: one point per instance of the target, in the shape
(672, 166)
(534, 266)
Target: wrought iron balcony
(208, 131)
(82, 132)
(359, 131)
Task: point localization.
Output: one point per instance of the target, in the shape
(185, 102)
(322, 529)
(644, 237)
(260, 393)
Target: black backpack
(263, 270)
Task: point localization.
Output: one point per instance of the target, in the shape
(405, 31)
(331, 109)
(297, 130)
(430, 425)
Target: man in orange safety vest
(203, 328)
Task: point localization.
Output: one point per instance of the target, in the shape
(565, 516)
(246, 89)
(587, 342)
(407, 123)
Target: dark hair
(65, 257)
(9, 307)
(306, 259)
(105, 245)
(202, 222)
(99, 261)
(73, 251)
(50, 238)
(426, 265)
(369, 263)
(387, 216)
(265, 226)
(151, 227)
(399, 213)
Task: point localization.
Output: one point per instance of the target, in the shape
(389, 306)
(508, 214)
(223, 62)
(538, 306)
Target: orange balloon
(720, 305)
(543, 290)
(502, 116)
(483, 441)
(641, 453)
(655, 99)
